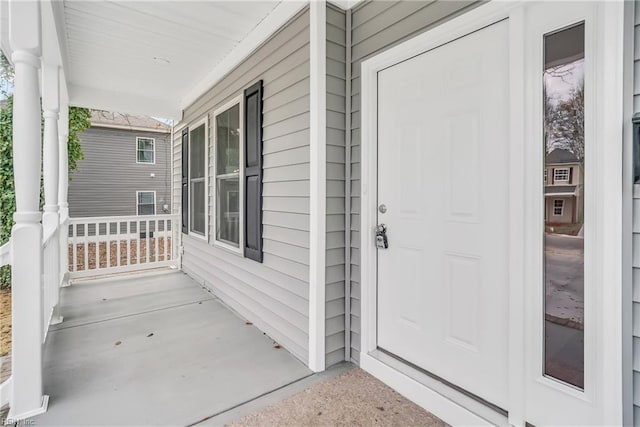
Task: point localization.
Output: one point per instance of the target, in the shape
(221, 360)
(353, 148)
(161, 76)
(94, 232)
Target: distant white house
(564, 188)
(126, 167)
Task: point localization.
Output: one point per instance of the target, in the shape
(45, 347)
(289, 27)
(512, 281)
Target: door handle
(381, 237)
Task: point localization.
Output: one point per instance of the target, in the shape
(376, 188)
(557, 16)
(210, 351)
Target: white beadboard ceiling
(127, 55)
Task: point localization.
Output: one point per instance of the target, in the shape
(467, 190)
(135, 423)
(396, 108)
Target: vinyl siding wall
(636, 234)
(108, 177)
(377, 26)
(273, 295)
(335, 243)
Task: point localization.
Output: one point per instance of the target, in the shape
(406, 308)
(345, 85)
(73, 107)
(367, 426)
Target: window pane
(228, 141)
(197, 152)
(228, 215)
(145, 144)
(564, 205)
(145, 197)
(197, 207)
(146, 209)
(145, 156)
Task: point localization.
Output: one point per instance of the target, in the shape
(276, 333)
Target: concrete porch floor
(155, 349)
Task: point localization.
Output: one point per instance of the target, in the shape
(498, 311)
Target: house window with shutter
(238, 174)
(228, 171)
(185, 181)
(252, 101)
(198, 179)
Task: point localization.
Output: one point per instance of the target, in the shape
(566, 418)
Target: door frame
(609, 366)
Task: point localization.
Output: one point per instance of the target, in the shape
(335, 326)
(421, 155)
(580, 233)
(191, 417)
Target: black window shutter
(253, 172)
(185, 180)
(553, 175)
(571, 175)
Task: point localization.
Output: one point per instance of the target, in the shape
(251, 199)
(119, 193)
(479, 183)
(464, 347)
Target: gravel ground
(354, 398)
(5, 321)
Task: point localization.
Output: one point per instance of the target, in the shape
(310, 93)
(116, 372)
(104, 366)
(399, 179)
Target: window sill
(197, 235)
(229, 248)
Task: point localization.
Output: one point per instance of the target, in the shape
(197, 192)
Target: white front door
(443, 127)
(459, 127)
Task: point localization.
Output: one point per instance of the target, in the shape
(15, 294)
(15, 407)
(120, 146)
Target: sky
(563, 79)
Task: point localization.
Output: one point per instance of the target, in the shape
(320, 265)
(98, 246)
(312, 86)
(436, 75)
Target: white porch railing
(105, 245)
(5, 387)
(5, 254)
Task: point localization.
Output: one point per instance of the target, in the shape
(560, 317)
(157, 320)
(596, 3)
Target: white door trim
(610, 327)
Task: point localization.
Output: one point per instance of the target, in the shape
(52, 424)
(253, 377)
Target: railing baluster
(118, 243)
(108, 230)
(164, 240)
(155, 240)
(138, 242)
(127, 242)
(74, 247)
(97, 245)
(85, 238)
(147, 243)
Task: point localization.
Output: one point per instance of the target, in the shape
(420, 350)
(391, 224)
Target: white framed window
(146, 202)
(227, 170)
(558, 207)
(198, 164)
(561, 174)
(145, 150)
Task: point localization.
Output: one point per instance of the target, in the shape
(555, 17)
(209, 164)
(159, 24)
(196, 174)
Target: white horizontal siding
(273, 295)
(636, 232)
(335, 172)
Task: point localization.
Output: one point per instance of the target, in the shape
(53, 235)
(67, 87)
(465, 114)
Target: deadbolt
(382, 208)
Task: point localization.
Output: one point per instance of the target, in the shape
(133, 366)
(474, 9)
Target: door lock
(381, 237)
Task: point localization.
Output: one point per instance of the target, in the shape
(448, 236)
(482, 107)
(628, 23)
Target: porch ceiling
(156, 57)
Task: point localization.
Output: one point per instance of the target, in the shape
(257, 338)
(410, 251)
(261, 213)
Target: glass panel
(145, 150)
(146, 209)
(197, 152)
(145, 144)
(564, 205)
(197, 207)
(145, 197)
(228, 215)
(228, 141)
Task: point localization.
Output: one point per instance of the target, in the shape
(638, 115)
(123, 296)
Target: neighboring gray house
(126, 167)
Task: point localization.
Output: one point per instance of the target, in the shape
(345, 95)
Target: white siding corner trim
(318, 171)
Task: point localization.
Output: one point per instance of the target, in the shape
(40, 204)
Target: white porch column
(63, 182)
(50, 169)
(63, 137)
(26, 236)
